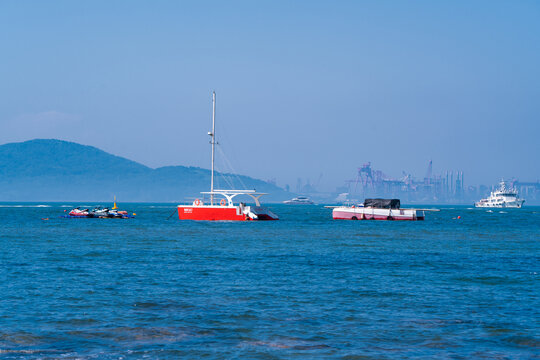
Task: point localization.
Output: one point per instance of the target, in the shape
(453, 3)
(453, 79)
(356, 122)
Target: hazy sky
(303, 87)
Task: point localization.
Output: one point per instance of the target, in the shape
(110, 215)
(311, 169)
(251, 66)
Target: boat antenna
(213, 142)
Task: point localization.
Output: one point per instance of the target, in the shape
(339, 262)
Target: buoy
(459, 217)
(114, 205)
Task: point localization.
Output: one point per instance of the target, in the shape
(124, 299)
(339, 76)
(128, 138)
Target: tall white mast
(213, 142)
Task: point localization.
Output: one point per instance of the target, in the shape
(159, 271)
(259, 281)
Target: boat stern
(260, 213)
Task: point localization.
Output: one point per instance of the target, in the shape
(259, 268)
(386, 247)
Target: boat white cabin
(300, 200)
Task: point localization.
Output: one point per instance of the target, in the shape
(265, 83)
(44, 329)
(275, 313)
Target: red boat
(225, 209)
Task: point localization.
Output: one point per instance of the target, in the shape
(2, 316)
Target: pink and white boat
(79, 212)
(378, 209)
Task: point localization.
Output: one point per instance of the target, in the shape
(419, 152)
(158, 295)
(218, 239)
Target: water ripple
(302, 287)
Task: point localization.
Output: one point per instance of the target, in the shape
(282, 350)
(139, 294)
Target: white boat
(300, 200)
(503, 197)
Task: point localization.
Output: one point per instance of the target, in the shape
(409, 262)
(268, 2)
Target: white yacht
(300, 200)
(503, 197)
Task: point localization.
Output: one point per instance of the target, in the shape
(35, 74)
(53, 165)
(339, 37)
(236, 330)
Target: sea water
(305, 286)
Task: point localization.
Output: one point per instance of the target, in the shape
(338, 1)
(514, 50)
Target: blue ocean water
(302, 287)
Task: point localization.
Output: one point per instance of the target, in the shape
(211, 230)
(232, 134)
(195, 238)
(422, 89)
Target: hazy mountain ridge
(57, 170)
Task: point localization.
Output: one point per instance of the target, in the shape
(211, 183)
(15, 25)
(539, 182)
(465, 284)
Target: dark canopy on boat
(382, 203)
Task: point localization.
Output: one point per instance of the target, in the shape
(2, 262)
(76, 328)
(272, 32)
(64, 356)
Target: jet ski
(117, 214)
(78, 212)
(100, 212)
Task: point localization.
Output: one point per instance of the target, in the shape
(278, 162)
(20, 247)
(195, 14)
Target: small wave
(489, 211)
(503, 212)
(25, 206)
(288, 344)
(524, 341)
(25, 351)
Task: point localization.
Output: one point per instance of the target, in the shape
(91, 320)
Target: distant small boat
(300, 200)
(503, 197)
(378, 209)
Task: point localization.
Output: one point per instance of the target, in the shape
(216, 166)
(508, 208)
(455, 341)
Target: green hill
(55, 170)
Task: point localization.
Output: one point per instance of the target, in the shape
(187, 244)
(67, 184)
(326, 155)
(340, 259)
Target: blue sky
(303, 88)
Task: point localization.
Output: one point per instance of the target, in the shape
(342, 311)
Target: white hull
(514, 205)
(369, 213)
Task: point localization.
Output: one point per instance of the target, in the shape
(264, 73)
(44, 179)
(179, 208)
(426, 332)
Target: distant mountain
(55, 170)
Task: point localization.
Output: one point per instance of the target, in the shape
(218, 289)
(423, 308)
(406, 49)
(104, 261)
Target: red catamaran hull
(224, 213)
(210, 213)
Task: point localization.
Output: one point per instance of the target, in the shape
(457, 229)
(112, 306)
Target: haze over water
(305, 90)
(301, 287)
(312, 88)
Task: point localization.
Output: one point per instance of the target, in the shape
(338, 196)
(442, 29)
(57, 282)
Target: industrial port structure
(448, 187)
